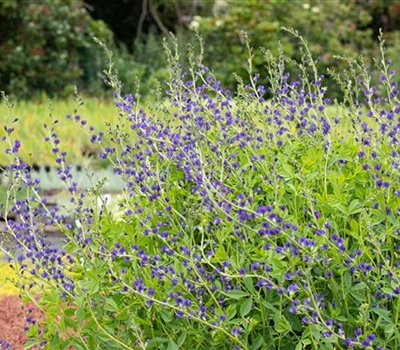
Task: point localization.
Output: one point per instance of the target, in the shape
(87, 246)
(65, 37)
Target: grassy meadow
(33, 114)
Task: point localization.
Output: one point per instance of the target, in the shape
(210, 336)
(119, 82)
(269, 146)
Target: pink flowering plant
(245, 223)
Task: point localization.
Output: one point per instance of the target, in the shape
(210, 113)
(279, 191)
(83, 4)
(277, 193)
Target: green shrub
(331, 28)
(245, 223)
(147, 64)
(48, 46)
(393, 49)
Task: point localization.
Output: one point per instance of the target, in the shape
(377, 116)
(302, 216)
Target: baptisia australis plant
(247, 223)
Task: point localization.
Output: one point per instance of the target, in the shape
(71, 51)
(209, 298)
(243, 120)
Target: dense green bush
(48, 46)
(331, 28)
(393, 50)
(146, 65)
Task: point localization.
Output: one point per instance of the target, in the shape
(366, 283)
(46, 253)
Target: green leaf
(287, 171)
(331, 340)
(306, 334)
(139, 320)
(231, 311)
(92, 286)
(390, 329)
(69, 312)
(220, 253)
(354, 207)
(358, 296)
(354, 227)
(316, 333)
(31, 343)
(80, 314)
(182, 339)
(154, 342)
(382, 313)
(341, 318)
(111, 305)
(248, 282)
(387, 290)
(166, 316)
(61, 324)
(245, 308)
(257, 343)
(268, 305)
(237, 294)
(294, 321)
(359, 286)
(347, 280)
(283, 325)
(172, 345)
(340, 207)
(79, 346)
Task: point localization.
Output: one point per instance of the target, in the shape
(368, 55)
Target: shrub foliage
(48, 47)
(331, 28)
(245, 223)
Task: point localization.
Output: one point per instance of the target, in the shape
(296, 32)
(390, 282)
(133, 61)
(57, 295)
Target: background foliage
(48, 46)
(332, 28)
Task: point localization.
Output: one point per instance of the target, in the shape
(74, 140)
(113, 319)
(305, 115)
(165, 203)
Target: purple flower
(226, 263)
(280, 290)
(187, 302)
(358, 332)
(236, 331)
(292, 288)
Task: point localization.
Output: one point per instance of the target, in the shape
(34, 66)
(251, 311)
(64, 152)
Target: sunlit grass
(33, 114)
(7, 276)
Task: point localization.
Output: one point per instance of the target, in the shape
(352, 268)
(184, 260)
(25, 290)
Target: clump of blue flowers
(246, 222)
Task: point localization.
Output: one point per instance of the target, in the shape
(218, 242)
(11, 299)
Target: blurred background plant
(48, 47)
(343, 28)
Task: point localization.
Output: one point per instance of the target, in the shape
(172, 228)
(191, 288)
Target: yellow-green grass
(7, 276)
(30, 131)
(33, 114)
